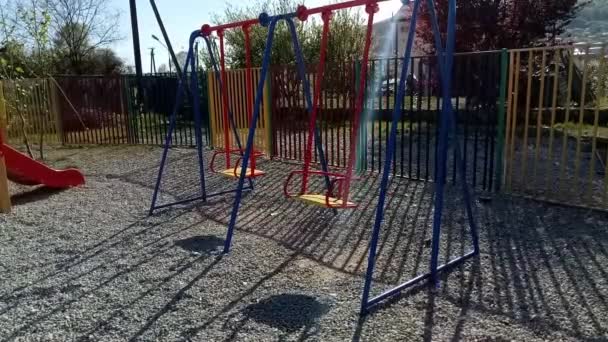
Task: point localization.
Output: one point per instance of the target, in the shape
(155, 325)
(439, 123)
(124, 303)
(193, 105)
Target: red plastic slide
(24, 170)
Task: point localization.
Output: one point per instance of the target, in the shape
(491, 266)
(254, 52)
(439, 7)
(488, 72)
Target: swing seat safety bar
(235, 172)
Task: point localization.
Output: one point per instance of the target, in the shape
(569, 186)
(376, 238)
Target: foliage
(496, 24)
(345, 42)
(590, 24)
(44, 37)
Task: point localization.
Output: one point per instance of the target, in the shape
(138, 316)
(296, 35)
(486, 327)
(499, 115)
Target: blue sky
(181, 17)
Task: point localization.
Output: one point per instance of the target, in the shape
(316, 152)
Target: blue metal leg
(197, 116)
(452, 120)
(172, 122)
(448, 123)
(371, 260)
(445, 64)
(307, 95)
(250, 136)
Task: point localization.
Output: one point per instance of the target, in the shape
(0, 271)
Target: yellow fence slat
(562, 172)
(212, 107)
(569, 85)
(539, 118)
(236, 84)
(596, 118)
(515, 70)
(5, 197)
(3, 113)
(549, 182)
(581, 119)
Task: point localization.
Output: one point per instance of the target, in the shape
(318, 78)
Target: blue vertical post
(168, 138)
(448, 123)
(250, 136)
(197, 113)
(444, 61)
(445, 69)
(271, 22)
(371, 260)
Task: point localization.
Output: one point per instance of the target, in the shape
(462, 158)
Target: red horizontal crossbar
(341, 5)
(208, 29)
(303, 13)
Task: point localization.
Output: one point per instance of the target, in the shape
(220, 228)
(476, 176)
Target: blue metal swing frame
(271, 22)
(445, 59)
(194, 90)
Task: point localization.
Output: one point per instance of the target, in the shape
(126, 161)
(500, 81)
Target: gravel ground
(88, 264)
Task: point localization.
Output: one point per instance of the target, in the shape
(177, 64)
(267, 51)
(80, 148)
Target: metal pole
(136, 48)
(138, 70)
(166, 38)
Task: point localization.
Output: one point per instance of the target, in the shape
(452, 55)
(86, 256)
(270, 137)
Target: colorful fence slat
(239, 105)
(557, 125)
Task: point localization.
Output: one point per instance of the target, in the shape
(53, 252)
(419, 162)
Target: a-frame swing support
(271, 22)
(445, 57)
(190, 66)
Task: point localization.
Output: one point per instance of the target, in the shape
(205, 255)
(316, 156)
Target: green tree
(80, 27)
(346, 35)
(77, 55)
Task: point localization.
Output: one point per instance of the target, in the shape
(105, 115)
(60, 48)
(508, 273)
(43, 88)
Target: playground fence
(531, 122)
(80, 110)
(107, 110)
(557, 125)
(476, 96)
(29, 111)
(92, 110)
(236, 82)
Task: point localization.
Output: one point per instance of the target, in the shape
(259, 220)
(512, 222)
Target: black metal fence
(475, 96)
(109, 110)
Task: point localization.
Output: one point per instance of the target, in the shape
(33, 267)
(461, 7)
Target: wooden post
(5, 197)
(53, 105)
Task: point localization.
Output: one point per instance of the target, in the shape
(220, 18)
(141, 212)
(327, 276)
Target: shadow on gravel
(38, 194)
(287, 312)
(201, 244)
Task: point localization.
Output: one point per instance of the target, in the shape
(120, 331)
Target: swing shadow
(529, 274)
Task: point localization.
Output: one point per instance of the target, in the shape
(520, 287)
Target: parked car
(390, 86)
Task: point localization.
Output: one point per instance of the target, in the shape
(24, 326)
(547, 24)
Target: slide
(24, 170)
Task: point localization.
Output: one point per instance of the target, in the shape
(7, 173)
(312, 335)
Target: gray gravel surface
(88, 264)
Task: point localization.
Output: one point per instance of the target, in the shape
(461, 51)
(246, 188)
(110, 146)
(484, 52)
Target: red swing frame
(228, 151)
(343, 181)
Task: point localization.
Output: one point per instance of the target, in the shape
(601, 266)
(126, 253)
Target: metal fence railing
(531, 122)
(476, 95)
(557, 125)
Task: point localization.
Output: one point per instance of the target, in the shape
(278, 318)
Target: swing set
(228, 118)
(337, 185)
